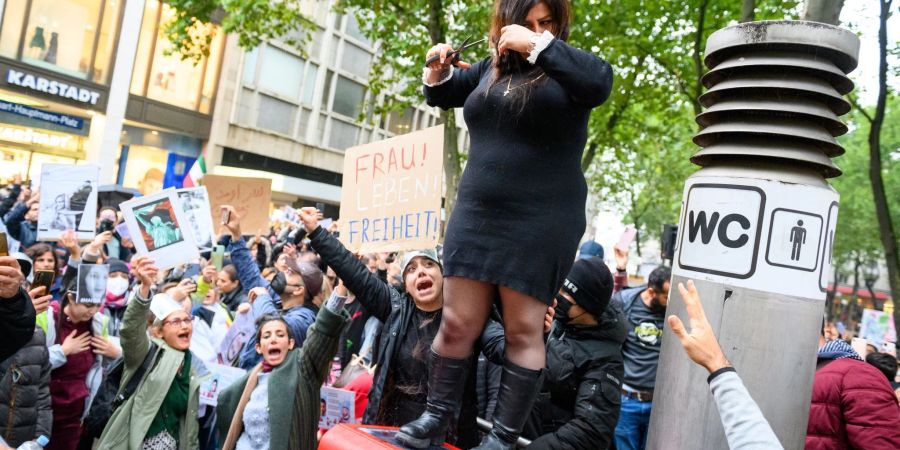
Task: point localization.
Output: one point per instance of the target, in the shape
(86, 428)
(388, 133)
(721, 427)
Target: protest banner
(68, 201)
(241, 330)
(158, 227)
(337, 406)
(250, 197)
(877, 327)
(391, 195)
(221, 377)
(195, 203)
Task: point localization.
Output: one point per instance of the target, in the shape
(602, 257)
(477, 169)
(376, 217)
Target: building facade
(289, 117)
(91, 81)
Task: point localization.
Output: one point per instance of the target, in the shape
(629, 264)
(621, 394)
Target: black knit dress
(520, 210)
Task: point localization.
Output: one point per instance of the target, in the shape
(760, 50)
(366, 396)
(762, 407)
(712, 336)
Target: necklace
(509, 86)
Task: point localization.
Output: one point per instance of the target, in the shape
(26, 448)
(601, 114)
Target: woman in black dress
(527, 110)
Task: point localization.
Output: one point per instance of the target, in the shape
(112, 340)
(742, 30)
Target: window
(280, 73)
(72, 37)
(401, 121)
(343, 134)
(309, 83)
(146, 41)
(210, 76)
(10, 33)
(275, 115)
(250, 57)
(356, 60)
(244, 110)
(327, 90)
(303, 125)
(354, 31)
(106, 42)
(348, 97)
(185, 83)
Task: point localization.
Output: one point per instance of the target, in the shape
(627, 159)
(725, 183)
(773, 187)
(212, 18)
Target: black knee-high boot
(519, 387)
(446, 381)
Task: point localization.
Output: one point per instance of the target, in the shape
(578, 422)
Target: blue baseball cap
(590, 249)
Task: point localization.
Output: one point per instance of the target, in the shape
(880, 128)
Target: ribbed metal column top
(775, 93)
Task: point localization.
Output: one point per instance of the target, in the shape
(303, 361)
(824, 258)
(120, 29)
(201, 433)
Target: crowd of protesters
(314, 303)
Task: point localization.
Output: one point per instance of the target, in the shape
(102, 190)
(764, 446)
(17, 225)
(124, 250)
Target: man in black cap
(579, 403)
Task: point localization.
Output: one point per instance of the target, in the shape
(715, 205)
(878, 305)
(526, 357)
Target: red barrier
(355, 437)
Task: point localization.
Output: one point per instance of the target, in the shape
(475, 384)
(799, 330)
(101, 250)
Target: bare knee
(456, 331)
(524, 338)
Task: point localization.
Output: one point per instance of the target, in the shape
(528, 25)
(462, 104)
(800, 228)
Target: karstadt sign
(52, 87)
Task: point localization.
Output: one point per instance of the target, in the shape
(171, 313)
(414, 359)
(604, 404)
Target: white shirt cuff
(540, 43)
(427, 71)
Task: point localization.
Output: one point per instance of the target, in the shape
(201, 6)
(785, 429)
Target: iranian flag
(192, 179)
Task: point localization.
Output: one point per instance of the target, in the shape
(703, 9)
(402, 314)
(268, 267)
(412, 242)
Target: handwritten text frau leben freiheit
(394, 178)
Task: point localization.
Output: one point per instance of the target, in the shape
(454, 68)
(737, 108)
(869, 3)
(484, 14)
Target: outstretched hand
(234, 222)
(700, 343)
(310, 217)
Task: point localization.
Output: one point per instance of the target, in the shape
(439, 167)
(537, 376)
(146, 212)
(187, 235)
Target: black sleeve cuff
(316, 233)
(713, 375)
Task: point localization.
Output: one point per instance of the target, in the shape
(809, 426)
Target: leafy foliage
(254, 21)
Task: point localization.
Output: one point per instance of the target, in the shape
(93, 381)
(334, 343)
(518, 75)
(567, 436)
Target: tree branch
(855, 103)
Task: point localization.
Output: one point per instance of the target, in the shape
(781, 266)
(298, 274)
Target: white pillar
(110, 127)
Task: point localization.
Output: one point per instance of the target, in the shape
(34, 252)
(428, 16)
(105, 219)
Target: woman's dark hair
(514, 12)
(231, 271)
(37, 250)
(271, 317)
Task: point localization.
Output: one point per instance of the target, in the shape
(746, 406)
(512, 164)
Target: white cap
(163, 305)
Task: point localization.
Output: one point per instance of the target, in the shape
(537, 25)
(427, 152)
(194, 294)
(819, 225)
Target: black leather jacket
(579, 403)
(395, 311)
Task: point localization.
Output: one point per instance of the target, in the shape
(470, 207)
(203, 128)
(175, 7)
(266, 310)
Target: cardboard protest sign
(92, 283)
(68, 201)
(877, 327)
(158, 228)
(221, 377)
(391, 197)
(337, 406)
(249, 196)
(195, 203)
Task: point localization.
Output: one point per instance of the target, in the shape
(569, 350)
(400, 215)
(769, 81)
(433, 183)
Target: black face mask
(562, 309)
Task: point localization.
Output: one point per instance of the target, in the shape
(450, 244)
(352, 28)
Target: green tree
(403, 31)
(639, 145)
(253, 21)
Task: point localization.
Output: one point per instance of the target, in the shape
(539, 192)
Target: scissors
(454, 55)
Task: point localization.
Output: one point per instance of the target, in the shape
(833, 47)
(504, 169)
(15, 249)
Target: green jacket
(128, 426)
(293, 387)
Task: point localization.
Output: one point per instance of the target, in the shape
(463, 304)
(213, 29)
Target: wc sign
(721, 229)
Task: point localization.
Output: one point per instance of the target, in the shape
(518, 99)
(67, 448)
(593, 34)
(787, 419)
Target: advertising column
(757, 225)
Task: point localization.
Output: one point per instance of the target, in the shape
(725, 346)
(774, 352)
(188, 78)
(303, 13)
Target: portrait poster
(159, 229)
(68, 201)
(91, 287)
(195, 203)
(250, 197)
(221, 377)
(241, 329)
(391, 193)
(336, 406)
